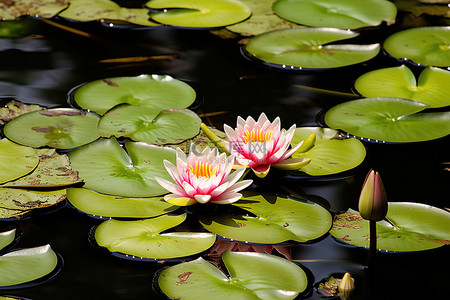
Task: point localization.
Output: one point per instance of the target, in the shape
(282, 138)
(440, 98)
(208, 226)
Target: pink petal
(226, 198)
(171, 187)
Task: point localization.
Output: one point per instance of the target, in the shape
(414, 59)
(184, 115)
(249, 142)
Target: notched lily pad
(12, 9)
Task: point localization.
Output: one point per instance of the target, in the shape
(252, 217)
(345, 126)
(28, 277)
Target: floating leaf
(6, 238)
(157, 91)
(277, 220)
(62, 128)
(25, 265)
(18, 199)
(101, 205)
(400, 82)
(14, 109)
(344, 14)
(251, 276)
(411, 227)
(388, 119)
(143, 238)
(107, 168)
(198, 13)
(422, 45)
(12, 9)
(331, 153)
(25, 160)
(305, 48)
(150, 125)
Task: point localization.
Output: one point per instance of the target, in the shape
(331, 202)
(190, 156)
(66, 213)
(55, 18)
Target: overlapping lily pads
(345, 14)
(277, 220)
(25, 160)
(10, 10)
(400, 82)
(309, 48)
(388, 119)
(197, 13)
(144, 238)
(249, 278)
(410, 227)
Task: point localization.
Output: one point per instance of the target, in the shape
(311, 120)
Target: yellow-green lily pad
(16, 160)
(12, 9)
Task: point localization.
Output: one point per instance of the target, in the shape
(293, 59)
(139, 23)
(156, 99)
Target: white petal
(226, 198)
(172, 170)
(202, 198)
(240, 185)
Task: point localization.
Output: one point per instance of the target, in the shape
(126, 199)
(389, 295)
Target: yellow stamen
(257, 135)
(202, 170)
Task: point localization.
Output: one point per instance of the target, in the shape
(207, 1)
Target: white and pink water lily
(262, 144)
(202, 177)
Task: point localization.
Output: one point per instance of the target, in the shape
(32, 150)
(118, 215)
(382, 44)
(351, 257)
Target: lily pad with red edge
(61, 128)
(11, 10)
(156, 91)
(149, 238)
(310, 48)
(388, 119)
(150, 125)
(277, 220)
(344, 14)
(25, 160)
(108, 168)
(198, 13)
(409, 227)
(250, 276)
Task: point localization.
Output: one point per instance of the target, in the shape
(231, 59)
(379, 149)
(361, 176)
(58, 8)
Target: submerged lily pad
(388, 119)
(143, 238)
(251, 276)
(345, 14)
(277, 220)
(330, 154)
(26, 265)
(156, 91)
(10, 10)
(400, 82)
(411, 227)
(62, 128)
(422, 45)
(198, 13)
(150, 125)
(101, 205)
(305, 48)
(7, 238)
(107, 168)
(25, 160)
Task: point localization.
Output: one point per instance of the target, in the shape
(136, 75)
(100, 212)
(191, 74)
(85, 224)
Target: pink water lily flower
(203, 177)
(261, 144)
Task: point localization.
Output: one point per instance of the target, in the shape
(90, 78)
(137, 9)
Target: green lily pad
(331, 153)
(345, 14)
(251, 276)
(10, 10)
(107, 168)
(25, 160)
(400, 82)
(388, 119)
(62, 128)
(144, 239)
(101, 205)
(422, 45)
(18, 199)
(198, 13)
(25, 265)
(305, 48)
(277, 220)
(7, 238)
(86, 10)
(150, 125)
(14, 109)
(157, 91)
(411, 227)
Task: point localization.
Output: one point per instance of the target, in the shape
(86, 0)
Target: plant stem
(373, 242)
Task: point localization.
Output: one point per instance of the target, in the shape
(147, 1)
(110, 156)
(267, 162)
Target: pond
(49, 62)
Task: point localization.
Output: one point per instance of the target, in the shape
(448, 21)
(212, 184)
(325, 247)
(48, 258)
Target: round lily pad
(330, 153)
(25, 160)
(150, 125)
(101, 205)
(345, 14)
(7, 238)
(198, 13)
(309, 48)
(252, 276)
(422, 45)
(62, 128)
(108, 168)
(157, 91)
(10, 10)
(388, 119)
(400, 82)
(143, 238)
(277, 220)
(409, 227)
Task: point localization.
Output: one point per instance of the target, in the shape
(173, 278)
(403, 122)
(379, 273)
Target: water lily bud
(347, 283)
(372, 200)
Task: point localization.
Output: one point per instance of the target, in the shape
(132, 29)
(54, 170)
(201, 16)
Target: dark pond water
(44, 68)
